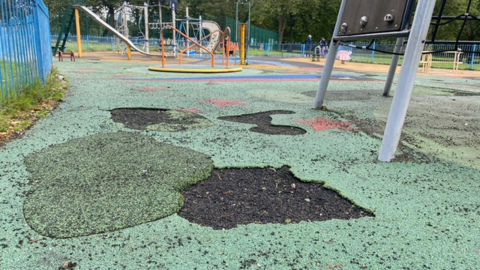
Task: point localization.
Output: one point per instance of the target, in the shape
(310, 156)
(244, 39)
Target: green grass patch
(34, 102)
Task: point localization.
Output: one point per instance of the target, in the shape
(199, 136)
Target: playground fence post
(473, 56)
(373, 52)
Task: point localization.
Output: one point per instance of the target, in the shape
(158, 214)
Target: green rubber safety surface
(425, 202)
(108, 182)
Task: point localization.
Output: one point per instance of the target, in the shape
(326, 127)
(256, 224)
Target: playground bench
(426, 60)
(60, 56)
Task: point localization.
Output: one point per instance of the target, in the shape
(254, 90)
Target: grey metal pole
(188, 30)
(403, 92)
(327, 69)
(174, 37)
(160, 15)
(147, 41)
(248, 40)
(393, 66)
(236, 23)
(200, 32)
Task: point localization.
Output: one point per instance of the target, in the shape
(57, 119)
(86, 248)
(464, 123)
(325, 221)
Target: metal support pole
(248, 34)
(160, 15)
(174, 38)
(236, 23)
(147, 41)
(129, 52)
(393, 66)
(403, 92)
(125, 21)
(188, 31)
(79, 37)
(242, 44)
(327, 69)
(200, 28)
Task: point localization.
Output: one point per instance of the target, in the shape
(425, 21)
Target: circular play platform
(195, 69)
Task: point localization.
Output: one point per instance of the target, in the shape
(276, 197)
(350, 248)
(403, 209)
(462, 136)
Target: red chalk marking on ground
(151, 89)
(192, 110)
(321, 123)
(223, 103)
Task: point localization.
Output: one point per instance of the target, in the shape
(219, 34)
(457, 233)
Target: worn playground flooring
(127, 172)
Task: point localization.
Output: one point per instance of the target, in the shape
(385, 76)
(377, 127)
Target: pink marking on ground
(192, 110)
(151, 89)
(321, 123)
(83, 72)
(90, 68)
(223, 103)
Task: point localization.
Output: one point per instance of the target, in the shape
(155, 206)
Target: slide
(212, 26)
(113, 30)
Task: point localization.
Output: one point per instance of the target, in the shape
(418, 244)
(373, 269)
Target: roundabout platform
(195, 69)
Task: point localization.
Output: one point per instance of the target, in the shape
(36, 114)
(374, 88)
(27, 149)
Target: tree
(451, 31)
(110, 5)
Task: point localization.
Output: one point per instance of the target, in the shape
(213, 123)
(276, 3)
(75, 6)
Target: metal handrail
(206, 37)
(224, 50)
(188, 38)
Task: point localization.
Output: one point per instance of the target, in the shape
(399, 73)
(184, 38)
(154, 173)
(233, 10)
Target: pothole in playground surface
(111, 181)
(263, 121)
(230, 197)
(159, 119)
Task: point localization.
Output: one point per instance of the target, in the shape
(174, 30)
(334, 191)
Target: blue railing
(25, 48)
(469, 59)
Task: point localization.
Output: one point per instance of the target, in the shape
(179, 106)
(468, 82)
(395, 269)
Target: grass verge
(18, 113)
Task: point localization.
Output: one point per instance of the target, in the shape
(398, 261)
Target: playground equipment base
(195, 69)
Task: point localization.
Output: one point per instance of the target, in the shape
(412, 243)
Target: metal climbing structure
(376, 19)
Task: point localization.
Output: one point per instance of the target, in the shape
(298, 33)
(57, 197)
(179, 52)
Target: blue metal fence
(469, 58)
(441, 52)
(25, 47)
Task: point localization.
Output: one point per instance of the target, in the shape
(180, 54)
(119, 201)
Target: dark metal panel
(373, 16)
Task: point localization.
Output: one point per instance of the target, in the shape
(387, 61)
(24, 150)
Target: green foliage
(34, 102)
(455, 8)
(4, 123)
(294, 20)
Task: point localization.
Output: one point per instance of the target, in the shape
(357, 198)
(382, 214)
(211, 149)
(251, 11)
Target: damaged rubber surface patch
(108, 182)
(159, 119)
(231, 197)
(263, 121)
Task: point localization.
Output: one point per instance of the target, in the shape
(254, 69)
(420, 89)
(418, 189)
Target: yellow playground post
(129, 52)
(242, 44)
(79, 40)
